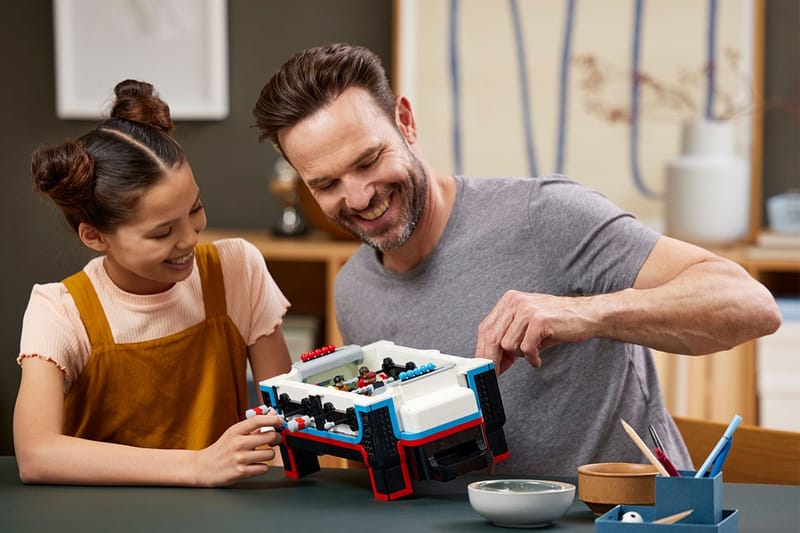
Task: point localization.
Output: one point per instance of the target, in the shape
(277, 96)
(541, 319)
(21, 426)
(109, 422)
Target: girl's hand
(240, 452)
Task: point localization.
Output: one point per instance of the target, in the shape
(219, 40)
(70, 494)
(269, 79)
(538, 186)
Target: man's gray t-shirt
(546, 235)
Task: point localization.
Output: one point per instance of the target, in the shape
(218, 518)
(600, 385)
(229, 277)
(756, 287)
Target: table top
(331, 500)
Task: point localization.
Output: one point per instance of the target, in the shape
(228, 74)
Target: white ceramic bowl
(520, 502)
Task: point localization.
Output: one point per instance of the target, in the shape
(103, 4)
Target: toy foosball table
(405, 413)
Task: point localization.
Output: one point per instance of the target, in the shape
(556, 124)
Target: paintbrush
(645, 450)
(671, 519)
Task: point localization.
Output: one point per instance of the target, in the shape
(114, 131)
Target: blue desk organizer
(703, 494)
(673, 495)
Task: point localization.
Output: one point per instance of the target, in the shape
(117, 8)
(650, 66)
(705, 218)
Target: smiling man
(561, 289)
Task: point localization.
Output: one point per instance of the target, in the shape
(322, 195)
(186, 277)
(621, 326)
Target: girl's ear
(91, 237)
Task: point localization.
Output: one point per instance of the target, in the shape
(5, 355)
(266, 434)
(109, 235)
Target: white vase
(708, 186)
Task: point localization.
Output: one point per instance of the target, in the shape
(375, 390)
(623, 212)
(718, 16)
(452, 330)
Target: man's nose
(358, 194)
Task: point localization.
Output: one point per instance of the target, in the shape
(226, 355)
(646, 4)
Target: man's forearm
(709, 307)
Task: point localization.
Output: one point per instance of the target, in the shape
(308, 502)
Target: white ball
(632, 517)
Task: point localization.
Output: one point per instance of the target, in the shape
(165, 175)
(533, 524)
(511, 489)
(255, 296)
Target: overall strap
(89, 307)
(210, 270)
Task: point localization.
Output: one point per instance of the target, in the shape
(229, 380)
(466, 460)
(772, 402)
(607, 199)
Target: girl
(134, 369)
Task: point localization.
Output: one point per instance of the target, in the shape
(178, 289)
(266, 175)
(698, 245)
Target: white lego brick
(437, 408)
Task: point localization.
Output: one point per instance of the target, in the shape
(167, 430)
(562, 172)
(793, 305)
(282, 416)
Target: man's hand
(521, 324)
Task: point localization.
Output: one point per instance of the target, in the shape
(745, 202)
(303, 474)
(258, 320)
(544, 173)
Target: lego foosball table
(405, 413)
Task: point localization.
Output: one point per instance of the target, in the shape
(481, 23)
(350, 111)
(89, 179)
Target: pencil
(643, 447)
(671, 519)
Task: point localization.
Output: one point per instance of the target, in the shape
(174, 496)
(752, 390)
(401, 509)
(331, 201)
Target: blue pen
(716, 467)
(724, 441)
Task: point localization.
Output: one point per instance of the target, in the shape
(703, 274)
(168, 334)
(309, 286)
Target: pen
(656, 439)
(643, 447)
(719, 448)
(661, 454)
(664, 460)
(716, 467)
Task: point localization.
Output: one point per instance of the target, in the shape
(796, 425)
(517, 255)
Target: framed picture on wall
(599, 91)
(180, 46)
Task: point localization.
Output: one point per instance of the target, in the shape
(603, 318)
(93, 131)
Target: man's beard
(413, 193)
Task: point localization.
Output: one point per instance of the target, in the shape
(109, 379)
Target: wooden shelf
(757, 259)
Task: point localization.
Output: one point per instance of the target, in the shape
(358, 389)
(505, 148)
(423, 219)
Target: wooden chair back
(757, 455)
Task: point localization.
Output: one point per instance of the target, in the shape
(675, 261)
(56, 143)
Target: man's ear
(404, 118)
(91, 237)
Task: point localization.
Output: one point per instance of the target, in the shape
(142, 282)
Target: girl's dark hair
(313, 78)
(99, 177)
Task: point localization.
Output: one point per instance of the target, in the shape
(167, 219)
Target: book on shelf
(773, 245)
(772, 239)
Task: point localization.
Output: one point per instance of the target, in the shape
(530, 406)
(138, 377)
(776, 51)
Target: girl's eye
(197, 208)
(163, 235)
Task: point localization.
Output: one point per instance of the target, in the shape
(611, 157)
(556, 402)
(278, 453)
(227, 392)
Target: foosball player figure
(338, 383)
(365, 377)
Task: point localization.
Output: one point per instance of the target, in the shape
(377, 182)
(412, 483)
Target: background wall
(541, 88)
(230, 166)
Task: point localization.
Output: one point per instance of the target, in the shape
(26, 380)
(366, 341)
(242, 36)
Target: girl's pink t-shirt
(52, 328)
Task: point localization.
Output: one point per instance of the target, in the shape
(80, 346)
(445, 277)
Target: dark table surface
(330, 500)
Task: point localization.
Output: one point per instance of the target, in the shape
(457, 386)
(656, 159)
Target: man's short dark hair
(312, 79)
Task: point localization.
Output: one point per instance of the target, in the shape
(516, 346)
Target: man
(538, 269)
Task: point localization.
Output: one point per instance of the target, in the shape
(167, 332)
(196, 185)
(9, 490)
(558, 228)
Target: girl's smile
(180, 263)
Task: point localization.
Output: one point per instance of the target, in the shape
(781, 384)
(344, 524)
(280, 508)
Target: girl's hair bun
(138, 101)
(64, 172)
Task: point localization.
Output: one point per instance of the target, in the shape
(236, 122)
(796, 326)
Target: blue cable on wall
(524, 86)
(566, 53)
(454, 87)
(711, 63)
(564, 86)
(634, 133)
(524, 89)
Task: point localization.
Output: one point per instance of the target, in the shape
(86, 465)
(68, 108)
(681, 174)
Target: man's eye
(370, 163)
(197, 208)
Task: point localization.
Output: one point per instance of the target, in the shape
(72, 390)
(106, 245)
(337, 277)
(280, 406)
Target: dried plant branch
(606, 89)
